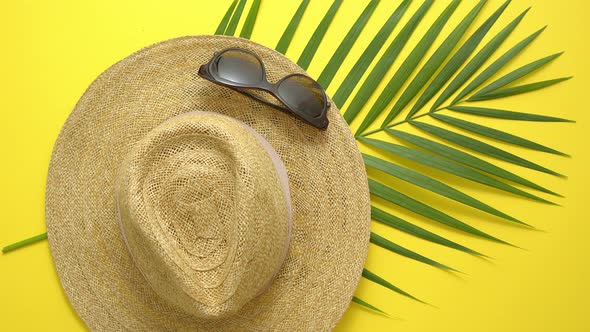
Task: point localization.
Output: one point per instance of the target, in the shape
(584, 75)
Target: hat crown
(205, 211)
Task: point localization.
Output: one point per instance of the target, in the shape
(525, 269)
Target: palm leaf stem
(24, 243)
(399, 123)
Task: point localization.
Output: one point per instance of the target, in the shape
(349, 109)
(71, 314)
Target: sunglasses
(240, 69)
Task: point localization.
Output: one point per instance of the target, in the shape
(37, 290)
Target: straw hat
(174, 204)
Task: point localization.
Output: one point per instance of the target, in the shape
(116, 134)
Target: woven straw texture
(90, 164)
(203, 213)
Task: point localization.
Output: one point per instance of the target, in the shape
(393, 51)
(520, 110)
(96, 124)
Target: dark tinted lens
(239, 67)
(302, 94)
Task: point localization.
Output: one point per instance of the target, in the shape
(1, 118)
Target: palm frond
(343, 49)
(287, 36)
(367, 305)
(378, 280)
(496, 66)
(469, 160)
(250, 20)
(223, 24)
(508, 115)
(456, 168)
(456, 61)
(433, 63)
(495, 134)
(360, 67)
(235, 19)
(433, 185)
(515, 75)
(478, 60)
(513, 91)
(404, 71)
(413, 205)
(315, 40)
(386, 244)
(409, 228)
(481, 147)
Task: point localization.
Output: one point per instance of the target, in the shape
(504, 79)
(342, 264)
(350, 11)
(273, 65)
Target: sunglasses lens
(303, 95)
(239, 67)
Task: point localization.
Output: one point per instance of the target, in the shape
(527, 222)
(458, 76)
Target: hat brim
(331, 206)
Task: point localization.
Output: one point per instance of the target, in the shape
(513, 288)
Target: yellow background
(52, 50)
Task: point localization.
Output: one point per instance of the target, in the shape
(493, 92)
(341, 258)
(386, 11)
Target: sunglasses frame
(209, 72)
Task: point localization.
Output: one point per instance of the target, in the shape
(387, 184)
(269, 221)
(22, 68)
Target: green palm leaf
(420, 208)
(250, 20)
(386, 244)
(515, 75)
(518, 89)
(456, 61)
(409, 228)
(433, 185)
(460, 158)
(367, 305)
(378, 280)
(223, 24)
(287, 36)
(392, 52)
(433, 63)
(341, 52)
(24, 242)
(495, 134)
(478, 60)
(404, 71)
(496, 66)
(315, 40)
(503, 114)
(475, 145)
(235, 19)
(363, 62)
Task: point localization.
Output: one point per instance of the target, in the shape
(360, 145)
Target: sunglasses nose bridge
(266, 85)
